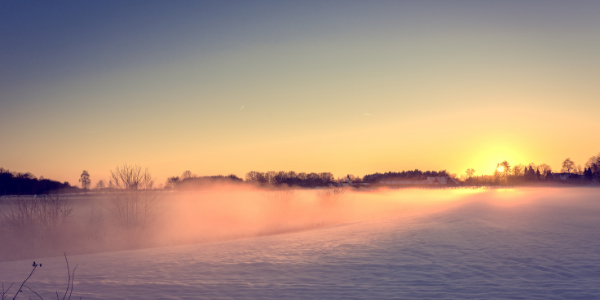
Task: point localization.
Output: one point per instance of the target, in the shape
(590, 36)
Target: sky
(348, 87)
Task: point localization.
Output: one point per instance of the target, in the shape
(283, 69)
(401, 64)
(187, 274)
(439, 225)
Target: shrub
(280, 196)
(132, 205)
(133, 210)
(46, 214)
(331, 193)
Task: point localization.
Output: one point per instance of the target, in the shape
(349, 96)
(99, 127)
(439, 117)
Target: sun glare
(500, 169)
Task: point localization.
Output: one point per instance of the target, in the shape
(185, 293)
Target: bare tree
(567, 166)
(279, 177)
(470, 172)
(326, 176)
(187, 175)
(579, 170)
(270, 177)
(593, 162)
(134, 206)
(519, 170)
(507, 168)
(502, 171)
(100, 185)
(131, 178)
(545, 170)
(313, 176)
(256, 177)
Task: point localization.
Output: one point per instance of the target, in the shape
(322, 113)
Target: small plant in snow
(66, 296)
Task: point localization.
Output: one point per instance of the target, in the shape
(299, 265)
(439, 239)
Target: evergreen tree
(587, 173)
(529, 173)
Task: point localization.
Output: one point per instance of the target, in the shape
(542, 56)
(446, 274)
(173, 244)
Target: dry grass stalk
(70, 283)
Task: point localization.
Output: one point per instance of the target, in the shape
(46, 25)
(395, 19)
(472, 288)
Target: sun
(500, 169)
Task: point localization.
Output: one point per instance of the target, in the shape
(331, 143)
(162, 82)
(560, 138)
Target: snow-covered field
(489, 244)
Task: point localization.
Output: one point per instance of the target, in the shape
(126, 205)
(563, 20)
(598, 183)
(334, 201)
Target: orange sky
(309, 91)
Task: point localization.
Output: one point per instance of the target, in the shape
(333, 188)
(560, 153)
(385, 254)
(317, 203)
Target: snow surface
(538, 245)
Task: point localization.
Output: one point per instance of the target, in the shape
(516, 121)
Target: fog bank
(111, 222)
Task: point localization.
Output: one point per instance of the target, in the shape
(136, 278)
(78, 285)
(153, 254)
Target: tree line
(415, 174)
(133, 177)
(291, 178)
(187, 180)
(505, 173)
(15, 183)
(326, 178)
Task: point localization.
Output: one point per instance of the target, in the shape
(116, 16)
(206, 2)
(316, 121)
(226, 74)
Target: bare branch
(34, 292)
(19, 290)
(5, 292)
(72, 282)
(68, 274)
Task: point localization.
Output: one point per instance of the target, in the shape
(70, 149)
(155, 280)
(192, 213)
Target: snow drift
(454, 244)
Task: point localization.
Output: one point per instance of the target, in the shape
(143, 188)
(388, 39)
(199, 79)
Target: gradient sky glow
(338, 86)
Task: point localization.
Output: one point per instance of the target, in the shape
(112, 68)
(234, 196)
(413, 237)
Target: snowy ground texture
(543, 248)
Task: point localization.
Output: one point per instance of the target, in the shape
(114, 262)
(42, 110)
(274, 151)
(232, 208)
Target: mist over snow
(531, 243)
(33, 227)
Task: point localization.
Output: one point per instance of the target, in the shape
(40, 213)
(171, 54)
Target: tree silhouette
(187, 175)
(131, 178)
(567, 166)
(593, 164)
(507, 168)
(326, 177)
(270, 177)
(255, 177)
(519, 170)
(100, 184)
(133, 205)
(280, 177)
(530, 172)
(545, 171)
(301, 176)
(470, 172)
(579, 170)
(15, 183)
(85, 180)
(172, 182)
